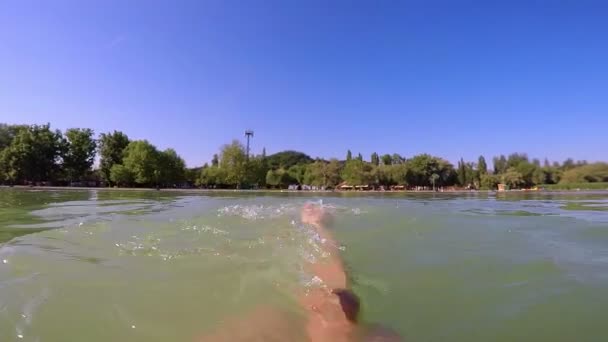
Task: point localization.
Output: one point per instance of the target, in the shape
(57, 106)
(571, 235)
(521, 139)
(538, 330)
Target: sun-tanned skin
(326, 317)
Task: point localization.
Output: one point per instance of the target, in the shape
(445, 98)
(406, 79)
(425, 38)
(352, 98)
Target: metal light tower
(248, 134)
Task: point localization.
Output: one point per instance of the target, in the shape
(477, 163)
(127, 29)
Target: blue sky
(451, 78)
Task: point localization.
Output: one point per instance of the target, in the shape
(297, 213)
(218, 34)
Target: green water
(160, 266)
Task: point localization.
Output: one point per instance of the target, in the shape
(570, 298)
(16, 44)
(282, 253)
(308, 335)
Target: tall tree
(397, 159)
(488, 182)
(434, 178)
(297, 172)
(349, 155)
(215, 161)
(568, 164)
(422, 166)
(357, 172)
(360, 157)
(34, 154)
(512, 178)
(211, 176)
(375, 159)
(172, 168)
(322, 173)
(482, 167)
(387, 159)
(111, 147)
(278, 178)
(287, 159)
(141, 160)
(500, 164)
(256, 172)
(79, 154)
(462, 173)
(233, 161)
(121, 175)
(539, 176)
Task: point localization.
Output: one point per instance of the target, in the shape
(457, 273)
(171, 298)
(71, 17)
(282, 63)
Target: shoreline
(198, 190)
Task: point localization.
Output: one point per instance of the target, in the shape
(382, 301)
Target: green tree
(332, 173)
(568, 164)
(357, 172)
(315, 173)
(111, 147)
(322, 173)
(482, 167)
(553, 174)
(233, 162)
(375, 159)
(256, 172)
(488, 182)
(434, 178)
(297, 172)
(360, 157)
(512, 178)
(421, 167)
(8, 133)
(590, 173)
(34, 154)
(80, 153)
(399, 174)
(278, 178)
(462, 173)
(121, 175)
(215, 161)
(516, 159)
(500, 164)
(211, 176)
(527, 170)
(141, 159)
(287, 159)
(349, 155)
(397, 159)
(192, 175)
(387, 159)
(381, 175)
(171, 167)
(539, 176)
(8, 167)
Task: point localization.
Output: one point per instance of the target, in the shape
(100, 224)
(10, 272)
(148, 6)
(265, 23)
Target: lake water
(105, 265)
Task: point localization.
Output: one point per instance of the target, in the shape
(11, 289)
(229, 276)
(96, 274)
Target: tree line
(36, 154)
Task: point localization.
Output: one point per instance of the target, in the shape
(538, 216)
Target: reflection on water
(160, 266)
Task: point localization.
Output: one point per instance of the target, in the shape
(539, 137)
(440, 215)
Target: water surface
(105, 265)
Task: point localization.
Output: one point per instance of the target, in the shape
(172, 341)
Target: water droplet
(80, 224)
(132, 327)
(20, 336)
(117, 245)
(24, 316)
(4, 261)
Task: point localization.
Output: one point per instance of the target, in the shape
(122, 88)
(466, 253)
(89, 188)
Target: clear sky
(451, 78)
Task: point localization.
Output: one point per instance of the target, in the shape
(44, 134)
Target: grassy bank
(577, 186)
